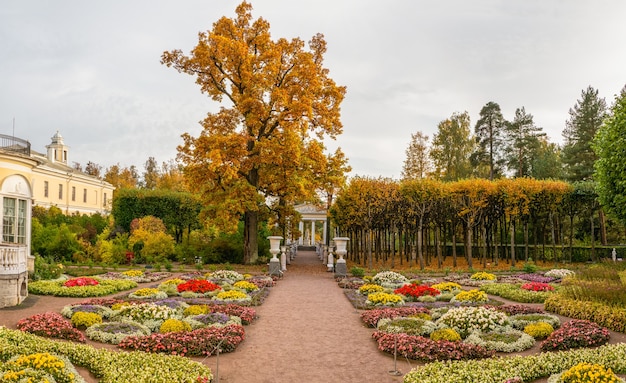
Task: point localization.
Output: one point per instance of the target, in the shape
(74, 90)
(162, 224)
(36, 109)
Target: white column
(312, 232)
(301, 229)
(324, 231)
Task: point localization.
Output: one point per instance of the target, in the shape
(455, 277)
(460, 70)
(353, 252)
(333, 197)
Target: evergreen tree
(546, 160)
(523, 139)
(488, 133)
(585, 119)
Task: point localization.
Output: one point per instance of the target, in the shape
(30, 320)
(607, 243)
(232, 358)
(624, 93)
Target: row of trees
(500, 147)
(386, 219)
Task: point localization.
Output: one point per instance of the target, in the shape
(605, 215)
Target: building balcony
(14, 259)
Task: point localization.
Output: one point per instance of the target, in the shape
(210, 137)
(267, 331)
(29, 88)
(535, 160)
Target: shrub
(23, 368)
(81, 281)
(445, 334)
(389, 279)
(559, 273)
(231, 295)
(83, 320)
(196, 310)
(608, 316)
(539, 330)
(356, 271)
(513, 292)
(576, 333)
(174, 325)
(246, 286)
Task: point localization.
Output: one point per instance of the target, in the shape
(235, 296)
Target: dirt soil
(307, 331)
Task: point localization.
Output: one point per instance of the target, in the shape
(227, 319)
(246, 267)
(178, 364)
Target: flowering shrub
(371, 317)
(82, 281)
(503, 340)
(483, 276)
(559, 273)
(576, 333)
(445, 334)
(413, 291)
(539, 330)
(203, 341)
(56, 288)
(174, 325)
(384, 299)
(605, 315)
(520, 321)
(230, 276)
(148, 314)
(245, 285)
(537, 286)
(148, 293)
(196, 310)
(471, 296)
(50, 325)
(83, 320)
(420, 348)
(464, 320)
(232, 295)
(247, 314)
(22, 367)
(588, 373)
(114, 332)
(211, 319)
(200, 286)
(446, 286)
(390, 279)
(370, 288)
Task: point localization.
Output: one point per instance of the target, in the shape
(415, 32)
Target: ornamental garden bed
(198, 314)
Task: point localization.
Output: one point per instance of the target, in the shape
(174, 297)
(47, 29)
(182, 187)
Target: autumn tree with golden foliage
(275, 96)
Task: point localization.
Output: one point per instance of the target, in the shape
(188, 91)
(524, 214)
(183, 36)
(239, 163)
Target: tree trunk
(250, 237)
(602, 220)
(468, 245)
(420, 237)
(512, 233)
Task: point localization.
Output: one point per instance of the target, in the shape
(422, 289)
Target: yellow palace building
(27, 179)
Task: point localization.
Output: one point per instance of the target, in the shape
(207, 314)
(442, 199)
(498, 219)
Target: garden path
(307, 331)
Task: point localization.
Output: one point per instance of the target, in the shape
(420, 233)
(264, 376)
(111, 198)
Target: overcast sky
(91, 69)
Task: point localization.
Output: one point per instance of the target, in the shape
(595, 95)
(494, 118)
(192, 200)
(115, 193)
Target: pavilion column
(301, 228)
(312, 233)
(324, 231)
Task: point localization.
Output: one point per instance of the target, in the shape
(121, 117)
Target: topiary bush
(445, 334)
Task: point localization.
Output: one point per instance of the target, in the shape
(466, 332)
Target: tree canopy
(276, 98)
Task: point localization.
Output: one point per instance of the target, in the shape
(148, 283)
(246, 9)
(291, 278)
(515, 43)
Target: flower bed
(515, 293)
(384, 299)
(530, 368)
(586, 373)
(517, 309)
(537, 286)
(108, 366)
(200, 342)
(232, 296)
(371, 317)
(519, 321)
(56, 288)
(115, 332)
(229, 276)
(424, 349)
(69, 310)
(502, 340)
(390, 279)
(39, 367)
(465, 320)
(471, 296)
(413, 291)
(534, 277)
(147, 293)
(406, 325)
(611, 317)
(559, 273)
(82, 281)
(50, 325)
(576, 333)
(199, 286)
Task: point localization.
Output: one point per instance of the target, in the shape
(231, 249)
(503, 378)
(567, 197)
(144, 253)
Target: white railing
(13, 259)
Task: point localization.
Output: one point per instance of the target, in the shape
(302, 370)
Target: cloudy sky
(91, 69)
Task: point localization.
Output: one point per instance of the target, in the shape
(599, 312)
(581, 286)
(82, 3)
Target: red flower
(82, 281)
(537, 286)
(197, 286)
(416, 291)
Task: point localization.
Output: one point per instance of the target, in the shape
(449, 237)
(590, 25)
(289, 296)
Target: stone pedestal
(341, 268)
(275, 267)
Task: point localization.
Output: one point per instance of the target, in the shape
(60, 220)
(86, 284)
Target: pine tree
(585, 119)
(522, 136)
(488, 133)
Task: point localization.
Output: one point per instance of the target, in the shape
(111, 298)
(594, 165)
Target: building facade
(27, 179)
